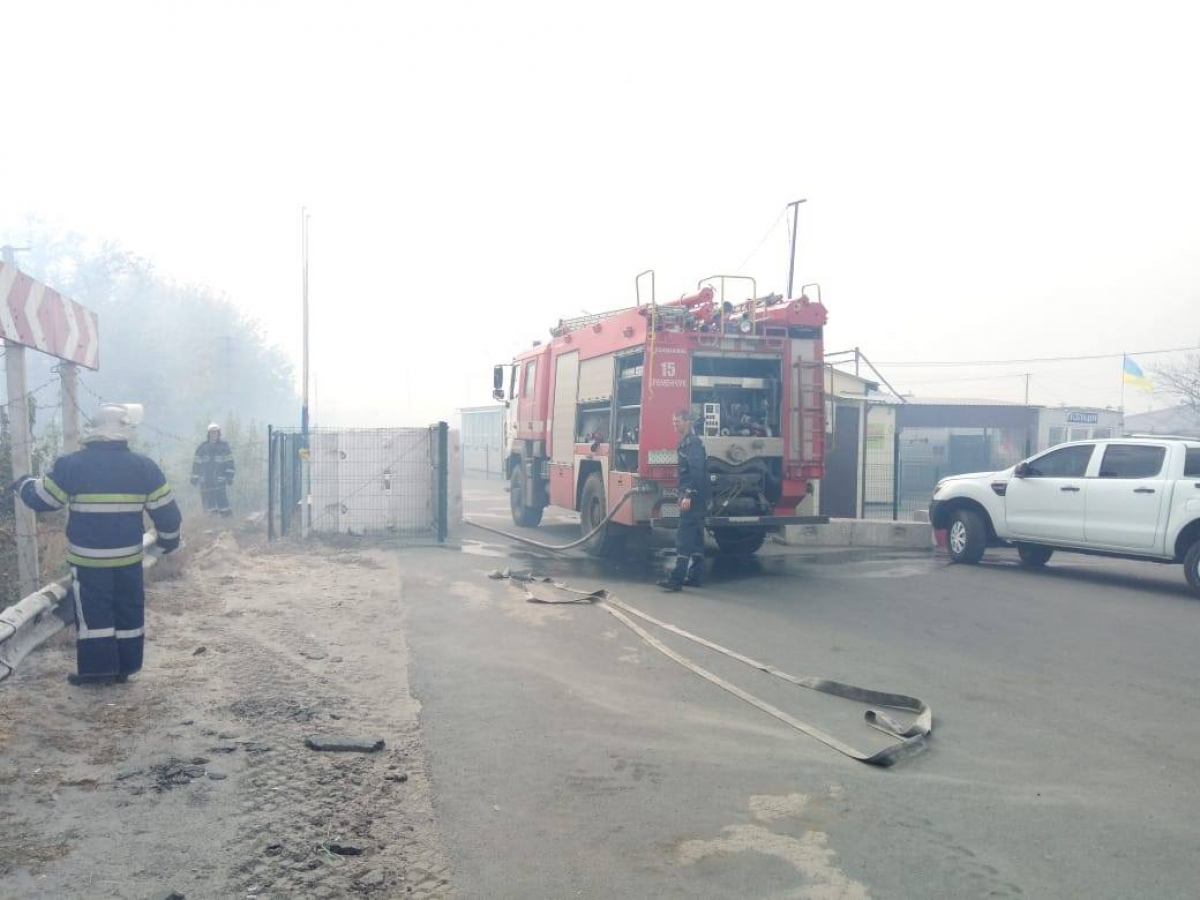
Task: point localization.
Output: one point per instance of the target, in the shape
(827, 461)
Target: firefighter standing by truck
(693, 507)
(212, 471)
(107, 488)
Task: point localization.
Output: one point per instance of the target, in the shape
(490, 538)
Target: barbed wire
(28, 394)
(162, 432)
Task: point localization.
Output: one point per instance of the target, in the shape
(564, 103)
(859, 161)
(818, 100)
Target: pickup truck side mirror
(1022, 470)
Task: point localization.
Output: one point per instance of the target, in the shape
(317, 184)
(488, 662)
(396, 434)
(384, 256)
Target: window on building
(1191, 465)
(1079, 434)
(530, 375)
(1069, 462)
(1132, 461)
(1058, 435)
(1100, 434)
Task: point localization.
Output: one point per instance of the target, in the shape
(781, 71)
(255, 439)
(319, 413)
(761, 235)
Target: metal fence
(391, 481)
(900, 487)
(880, 478)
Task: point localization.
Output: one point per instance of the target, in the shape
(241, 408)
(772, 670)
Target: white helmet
(213, 426)
(113, 422)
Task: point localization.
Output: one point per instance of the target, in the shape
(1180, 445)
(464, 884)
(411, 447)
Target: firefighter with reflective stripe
(694, 492)
(212, 470)
(107, 488)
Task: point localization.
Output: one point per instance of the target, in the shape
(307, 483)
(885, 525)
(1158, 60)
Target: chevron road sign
(40, 317)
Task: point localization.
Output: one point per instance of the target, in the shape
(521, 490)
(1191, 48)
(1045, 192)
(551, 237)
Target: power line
(1012, 362)
(770, 231)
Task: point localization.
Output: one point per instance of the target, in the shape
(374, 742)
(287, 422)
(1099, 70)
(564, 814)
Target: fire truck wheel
(739, 541)
(525, 516)
(593, 507)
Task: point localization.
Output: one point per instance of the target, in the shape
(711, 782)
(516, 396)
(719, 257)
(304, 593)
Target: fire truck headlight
(745, 326)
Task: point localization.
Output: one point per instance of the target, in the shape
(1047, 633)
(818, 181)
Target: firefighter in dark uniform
(107, 488)
(693, 507)
(212, 470)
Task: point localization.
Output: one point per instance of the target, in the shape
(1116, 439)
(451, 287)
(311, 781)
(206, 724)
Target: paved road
(570, 759)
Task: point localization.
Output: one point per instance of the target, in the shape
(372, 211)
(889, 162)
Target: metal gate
(392, 481)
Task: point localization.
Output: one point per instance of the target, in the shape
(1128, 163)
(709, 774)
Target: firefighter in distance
(212, 471)
(693, 506)
(107, 488)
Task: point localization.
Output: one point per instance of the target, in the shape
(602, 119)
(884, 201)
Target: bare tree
(1182, 380)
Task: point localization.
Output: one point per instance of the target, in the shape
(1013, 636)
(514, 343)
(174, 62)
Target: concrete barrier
(27, 625)
(861, 533)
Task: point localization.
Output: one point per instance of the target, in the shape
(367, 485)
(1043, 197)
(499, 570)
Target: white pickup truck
(1136, 497)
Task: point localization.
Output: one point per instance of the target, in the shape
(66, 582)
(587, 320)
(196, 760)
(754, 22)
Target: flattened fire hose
(558, 548)
(912, 737)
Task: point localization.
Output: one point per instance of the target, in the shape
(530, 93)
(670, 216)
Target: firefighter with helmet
(212, 471)
(107, 488)
(693, 506)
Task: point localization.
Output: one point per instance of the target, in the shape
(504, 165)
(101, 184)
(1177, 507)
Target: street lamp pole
(304, 392)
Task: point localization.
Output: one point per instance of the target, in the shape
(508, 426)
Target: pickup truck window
(1191, 465)
(1132, 461)
(1069, 462)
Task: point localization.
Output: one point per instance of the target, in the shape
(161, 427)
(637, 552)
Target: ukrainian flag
(1134, 375)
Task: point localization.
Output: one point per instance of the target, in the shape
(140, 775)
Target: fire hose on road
(558, 548)
(912, 737)
(28, 624)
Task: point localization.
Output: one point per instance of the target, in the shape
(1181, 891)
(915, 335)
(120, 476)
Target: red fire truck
(589, 414)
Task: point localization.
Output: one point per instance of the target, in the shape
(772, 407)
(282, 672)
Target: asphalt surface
(570, 759)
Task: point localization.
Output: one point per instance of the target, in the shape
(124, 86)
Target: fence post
(443, 480)
(270, 483)
(28, 571)
(286, 490)
(69, 383)
(895, 474)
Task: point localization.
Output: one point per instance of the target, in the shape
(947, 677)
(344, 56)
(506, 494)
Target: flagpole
(1121, 409)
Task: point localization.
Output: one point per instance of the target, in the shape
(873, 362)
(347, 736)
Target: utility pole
(28, 572)
(305, 490)
(1028, 375)
(304, 390)
(795, 207)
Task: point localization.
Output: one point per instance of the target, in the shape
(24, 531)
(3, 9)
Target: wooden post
(69, 377)
(18, 412)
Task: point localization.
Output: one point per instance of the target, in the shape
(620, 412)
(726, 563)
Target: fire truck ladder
(807, 412)
(574, 324)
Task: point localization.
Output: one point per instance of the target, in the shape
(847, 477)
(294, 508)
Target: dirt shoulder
(196, 777)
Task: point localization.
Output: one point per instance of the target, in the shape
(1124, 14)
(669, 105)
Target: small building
(940, 437)
(483, 444)
(1180, 420)
(1059, 424)
(884, 454)
(860, 427)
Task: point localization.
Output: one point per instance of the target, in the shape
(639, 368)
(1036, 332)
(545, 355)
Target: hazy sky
(983, 182)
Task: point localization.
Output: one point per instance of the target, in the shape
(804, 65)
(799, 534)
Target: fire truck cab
(589, 415)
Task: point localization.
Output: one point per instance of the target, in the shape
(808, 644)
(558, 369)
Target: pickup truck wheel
(1034, 556)
(523, 515)
(967, 538)
(1191, 567)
